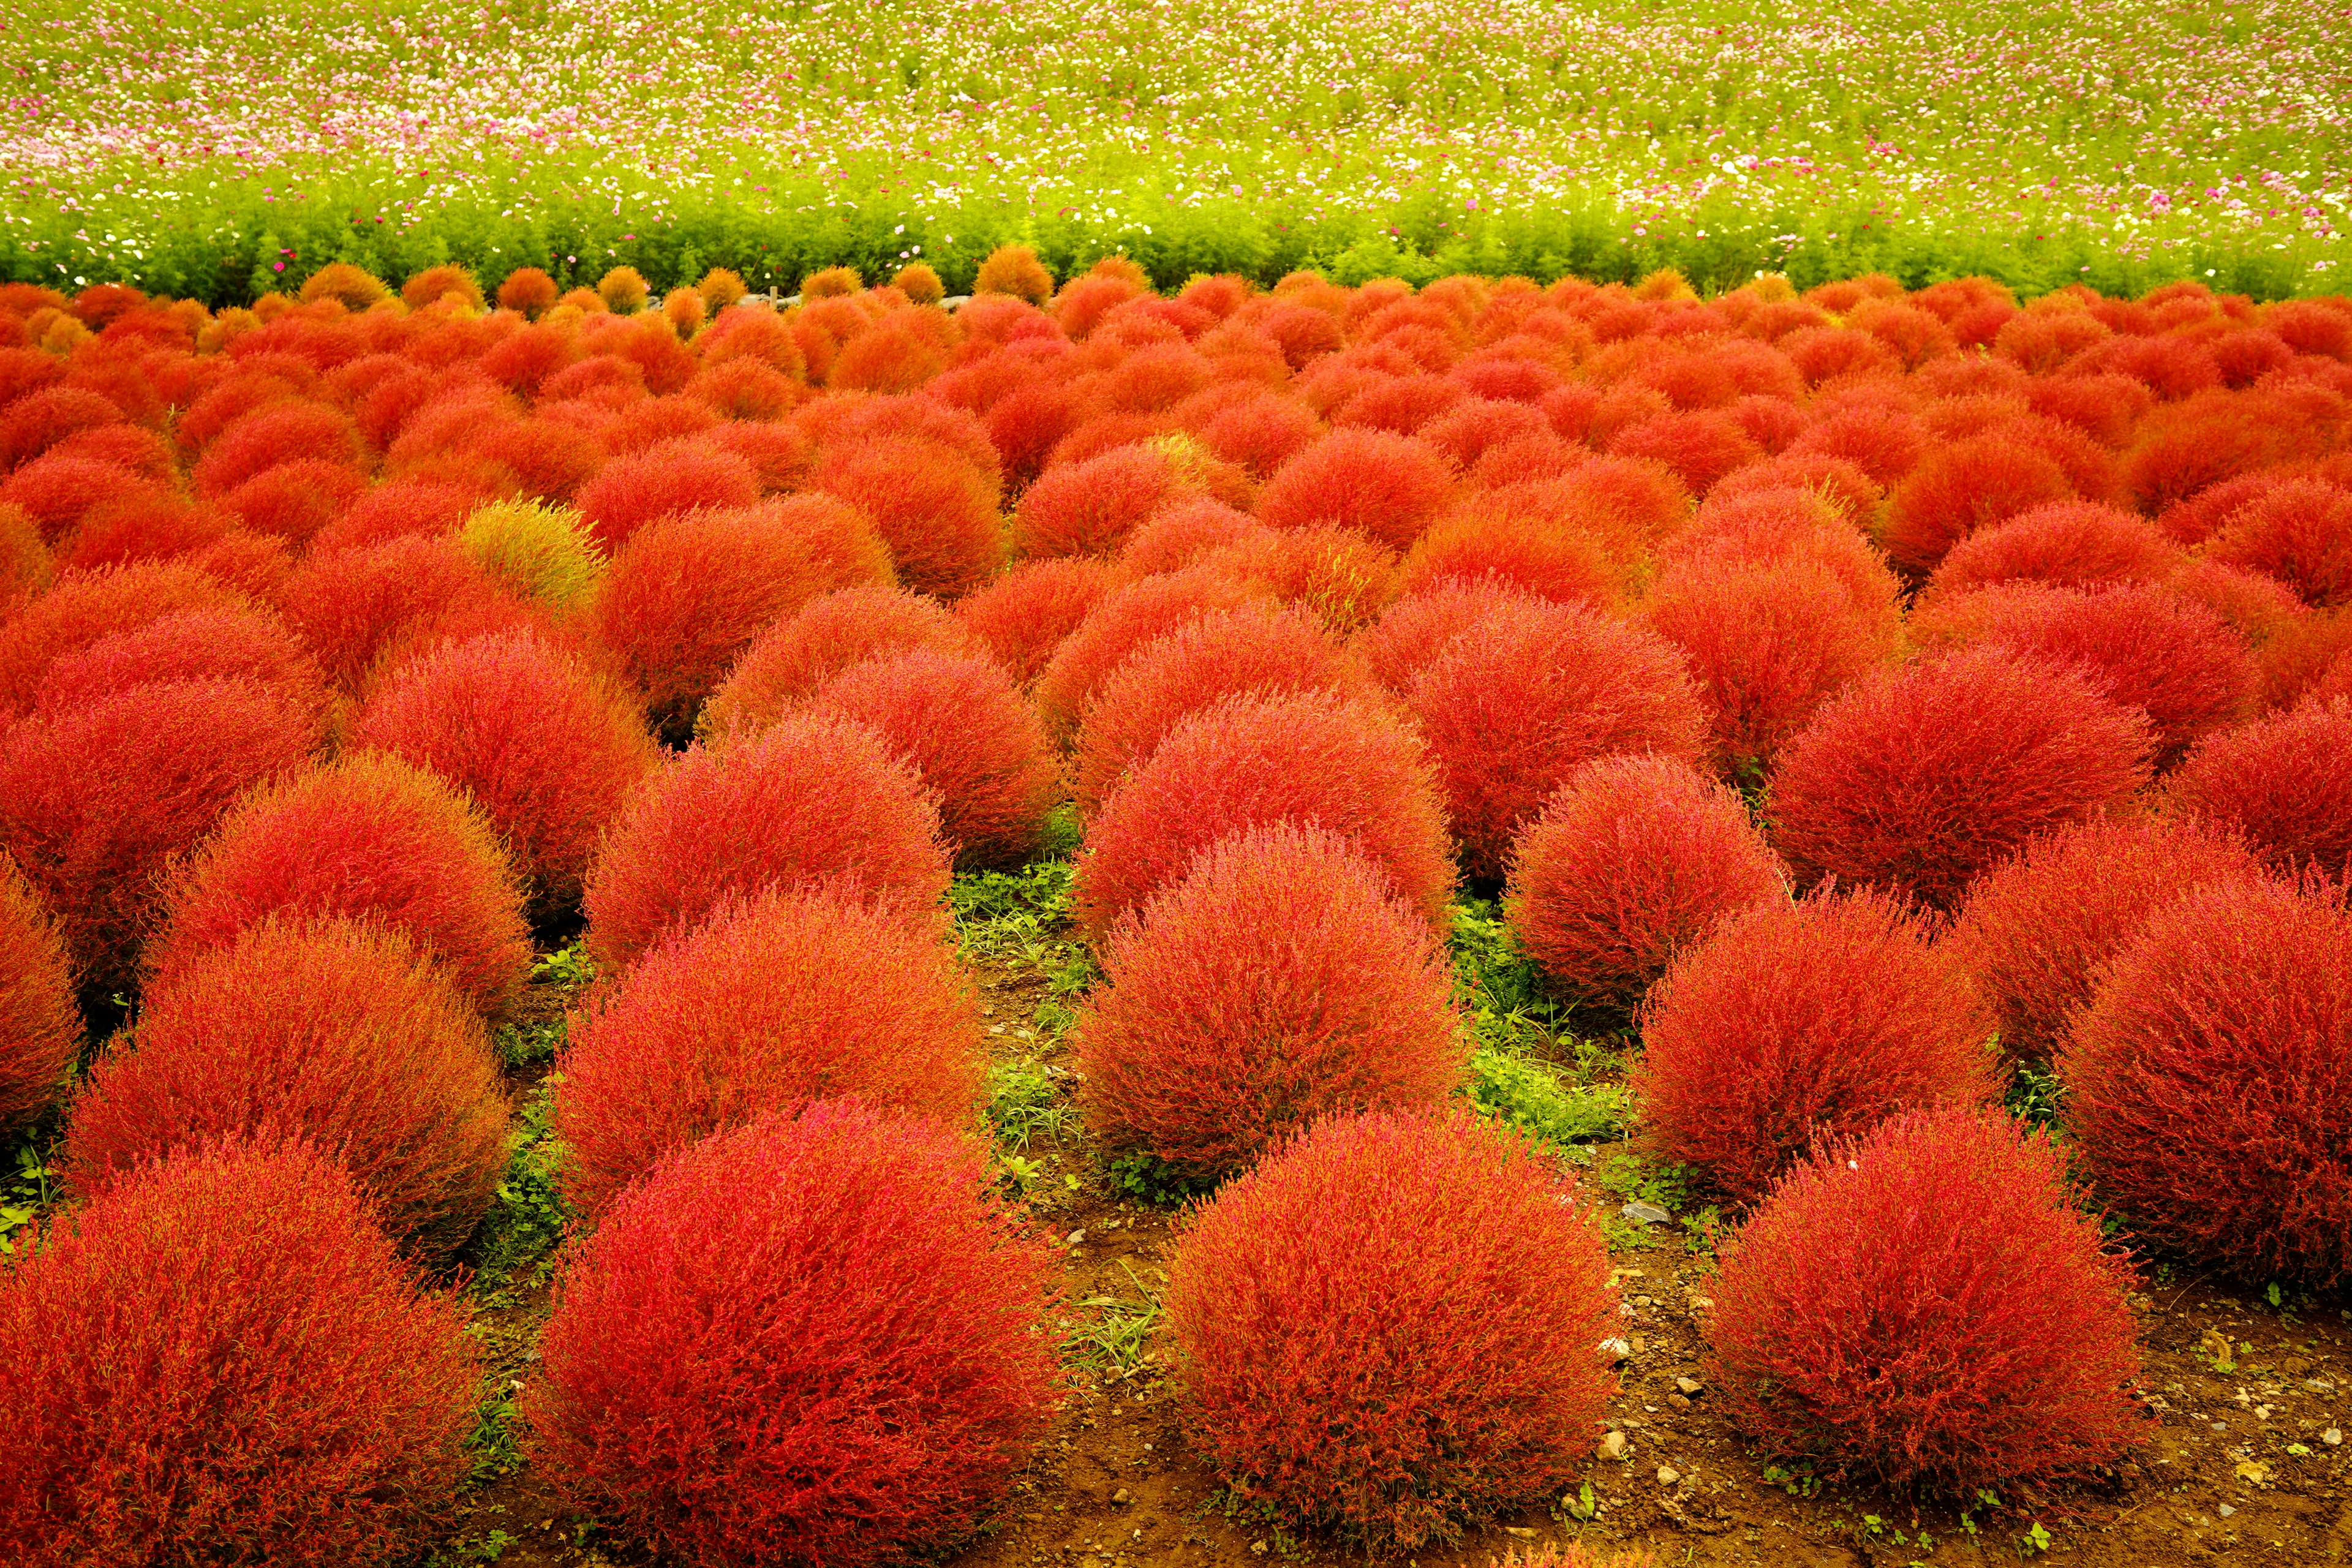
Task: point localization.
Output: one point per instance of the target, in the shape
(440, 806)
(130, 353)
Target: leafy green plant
(1534, 1097)
(1112, 1341)
(27, 1186)
(2035, 1095)
(1024, 1103)
(1138, 1174)
(527, 1217)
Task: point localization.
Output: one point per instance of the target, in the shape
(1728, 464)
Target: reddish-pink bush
(934, 508)
(1541, 689)
(2300, 532)
(85, 606)
(2038, 926)
(351, 605)
(279, 433)
(1920, 778)
(813, 800)
(1388, 486)
(800, 652)
(1022, 617)
(784, 997)
(1281, 981)
(2206, 1079)
(96, 799)
(971, 739)
(630, 491)
(343, 1035)
(1367, 1350)
(368, 837)
(1634, 859)
(1547, 558)
(1795, 1021)
(221, 1358)
(524, 728)
(818, 1341)
(1930, 1304)
(1958, 489)
(1417, 629)
(2073, 542)
(1309, 758)
(1090, 508)
(1126, 618)
(40, 1032)
(2285, 781)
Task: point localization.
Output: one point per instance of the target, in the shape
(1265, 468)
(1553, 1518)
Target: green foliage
(2035, 1095)
(1531, 1096)
(1024, 1103)
(1498, 987)
(527, 1217)
(1112, 1339)
(538, 551)
(1138, 1174)
(27, 1185)
(536, 1039)
(1019, 915)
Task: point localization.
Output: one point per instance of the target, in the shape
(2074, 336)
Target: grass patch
(527, 1215)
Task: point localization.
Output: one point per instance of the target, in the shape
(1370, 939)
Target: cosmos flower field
(219, 151)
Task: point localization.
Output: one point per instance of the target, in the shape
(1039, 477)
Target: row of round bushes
(2025, 614)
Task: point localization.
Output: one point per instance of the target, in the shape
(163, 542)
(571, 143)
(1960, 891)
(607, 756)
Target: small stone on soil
(1668, 1475)
(1613, 1446)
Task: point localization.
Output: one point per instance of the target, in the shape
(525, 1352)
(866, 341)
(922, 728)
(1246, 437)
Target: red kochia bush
(1929, 1304)
(970, 737)
(1258, 648)
(1090, 508)
(630, 491)
(1388, 486)
(1797, 1020)
(547, 753)
(1365, 1348)
(2206, 1077)
(221, 1358)
(816, 1340)
(351, 604)
(85, 606)
(1634, 859)
(368, 837)
(1126, 618)
(279, 433)
(2284, 781)
(1921, 778)
(1022, 617)
(2071, 542)
(39, 1031)
(1281, 981)
(1960, 488)
(1309, 758)
(2300, 532)
(95, 799)
(934, 508)
(816, 799)
(343, 1036)
(800, 652)
(2037, 928)
(1542, 687)
(784, 997)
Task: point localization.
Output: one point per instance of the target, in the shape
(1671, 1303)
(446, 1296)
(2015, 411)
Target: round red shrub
(933, 507)
(1543, 557)
(1260, 649)
(632, 490)
(368, 837)
(1510, 712)
(814, 799)
(1414, 630)
(1387, 486)
(2071, 542)
(191, 644)
(1930, 1304)
(294, 500)
(1128, 617)
(1921, 778)
(2037, 928)
(784, 997)
(1310, 758)
(60, 492)
(800, 652)
(524, 728)
(351, 605)
(1634, 859)
(339, 1034)
(281, 433)
(96, 799)
(1282, 980)
(1365, 1348)
(40, 1032)
(1023, 615)
(1795, 1021)
(2206, 1079)
(1090, 508)
(36, 421)
(223, 1355)
(412, 505)
(2299, 532)
(971, 739)
(1337, 574)
(1699, 448)
(2285, 781)
(818, 1341)
(1957, 490)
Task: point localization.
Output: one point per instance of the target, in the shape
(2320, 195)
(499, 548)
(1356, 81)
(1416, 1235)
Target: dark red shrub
(1921, 778)
(1364, 1352)
(1282, 980)
(1634, 859)
(96, 799)
(2205, 1080)
(1930, 1304)
(2300, 532)
(412, 506)
(827, 635)
(1309, 758)
(817, 1340)
(343, 1035)
(784, 997)
(525, 730)
(1699, 448)
(1795, 1021)
(368, 837)
(1412, 632)
(60, 492)
(1260, 649)
(212, 643)
(38, 420)
(631, 491)
(2070, 543)
(933, 507)
(1481, 542)
(1957, 490)
(2037, 929)
(351, 604)
(1124, 620)
(40, 1032)
(1390, 487)
(971, 739)
(1541, 689)
(294, 500)
(281, 433)
(222, 1357)
(813, 800)
(2285, 781)
(1090, 508)
(1023, 615)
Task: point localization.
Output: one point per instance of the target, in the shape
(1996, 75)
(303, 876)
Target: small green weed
(1024, 1103)
(1533, 1096)
(1022, 912)
(1500, 991)
(1138, 1174)
(526, 1218)
(491, 1450)
(27, 1185)
(2035, 1095)
(1113, 1341)
(1797, 1480)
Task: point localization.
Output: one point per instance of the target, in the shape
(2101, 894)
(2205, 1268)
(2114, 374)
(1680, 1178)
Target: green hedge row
(231, 251)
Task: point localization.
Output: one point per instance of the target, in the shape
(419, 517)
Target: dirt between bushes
(2236, 1469)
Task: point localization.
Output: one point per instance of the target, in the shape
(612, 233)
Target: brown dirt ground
(1116, 1486)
